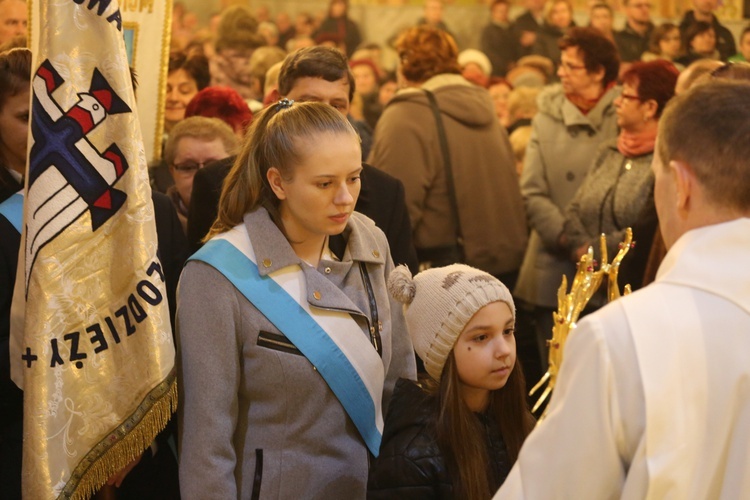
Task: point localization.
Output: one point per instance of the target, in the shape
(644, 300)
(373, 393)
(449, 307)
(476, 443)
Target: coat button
(317, 295)
(570, 176)
(327, 270)
(315, 368)
(266, 262)
(375, 254)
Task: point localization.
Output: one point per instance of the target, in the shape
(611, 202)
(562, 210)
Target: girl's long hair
(461, 438)
(275, 139)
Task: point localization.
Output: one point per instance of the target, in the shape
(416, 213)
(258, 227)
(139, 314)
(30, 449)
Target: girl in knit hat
(457, 434)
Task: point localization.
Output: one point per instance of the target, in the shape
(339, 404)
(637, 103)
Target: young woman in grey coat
(288, 344)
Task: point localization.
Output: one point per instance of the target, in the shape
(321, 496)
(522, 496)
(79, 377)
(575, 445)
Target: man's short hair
(314, 62)
(707, 128)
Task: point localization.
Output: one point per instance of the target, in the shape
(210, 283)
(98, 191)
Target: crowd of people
(369, 241)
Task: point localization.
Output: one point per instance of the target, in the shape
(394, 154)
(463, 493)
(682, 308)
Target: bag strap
(375, 325)
(448, 166)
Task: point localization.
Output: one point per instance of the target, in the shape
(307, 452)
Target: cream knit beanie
(439, 302)
(477, 57)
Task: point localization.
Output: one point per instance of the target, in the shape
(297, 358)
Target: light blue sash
(12, 209)
(332, 341)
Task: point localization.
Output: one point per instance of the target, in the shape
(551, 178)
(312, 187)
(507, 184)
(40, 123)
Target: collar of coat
(358, 242)
(437, 81)
(711, 259)
(552, 102)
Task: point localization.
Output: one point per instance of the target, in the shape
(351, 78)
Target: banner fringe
(129, 447)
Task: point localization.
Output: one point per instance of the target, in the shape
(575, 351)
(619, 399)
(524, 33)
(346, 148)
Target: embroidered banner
(146, 26)
(94, 355)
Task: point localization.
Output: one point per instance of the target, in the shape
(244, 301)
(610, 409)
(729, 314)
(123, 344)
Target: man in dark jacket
(498, 41)
(527, 25)
(703, 10)
(316, 74)
(633, 40)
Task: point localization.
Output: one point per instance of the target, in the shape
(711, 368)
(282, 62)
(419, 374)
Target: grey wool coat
(563, 144)
(258, 421)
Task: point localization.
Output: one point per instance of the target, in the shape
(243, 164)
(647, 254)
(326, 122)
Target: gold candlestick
(586, 282)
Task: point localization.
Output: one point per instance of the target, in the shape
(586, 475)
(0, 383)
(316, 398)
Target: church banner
(94, 354)
(146, 28)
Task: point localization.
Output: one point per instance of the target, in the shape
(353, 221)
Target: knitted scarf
(631, 144)
(586, 105)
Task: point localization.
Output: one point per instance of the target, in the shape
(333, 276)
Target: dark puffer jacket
(410, 464)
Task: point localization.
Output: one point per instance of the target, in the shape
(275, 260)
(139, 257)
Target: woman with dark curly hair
(574, 119)
(186, 76)
(461, 187)
(699, 42)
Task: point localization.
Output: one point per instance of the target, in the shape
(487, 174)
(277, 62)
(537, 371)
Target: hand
(118, 478)
(528, 38)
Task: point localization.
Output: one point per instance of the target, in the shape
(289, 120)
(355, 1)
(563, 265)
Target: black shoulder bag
(441, 256)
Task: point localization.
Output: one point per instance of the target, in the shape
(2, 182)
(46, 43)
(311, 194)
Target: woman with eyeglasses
(575, 117)
(193, 143)
(618, 191)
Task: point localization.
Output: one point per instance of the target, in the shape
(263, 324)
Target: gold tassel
(124, 444)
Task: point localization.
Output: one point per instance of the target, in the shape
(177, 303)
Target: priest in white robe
(653, 397)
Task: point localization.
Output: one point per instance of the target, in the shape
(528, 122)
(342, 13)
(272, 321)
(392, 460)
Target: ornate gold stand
(585, 284)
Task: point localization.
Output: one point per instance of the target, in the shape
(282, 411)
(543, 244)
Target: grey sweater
(613, 196)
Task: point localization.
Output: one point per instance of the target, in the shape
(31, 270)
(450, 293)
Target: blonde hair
(550, 6)
(262, 60)
(519, 140)
(202, 128)
(274, 140)
(272, 77)
(522, 102)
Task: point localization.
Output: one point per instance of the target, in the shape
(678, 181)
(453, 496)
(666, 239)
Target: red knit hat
(223, 103)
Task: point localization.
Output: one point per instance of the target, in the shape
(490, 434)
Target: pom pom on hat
(439, 302)
(401, 285)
